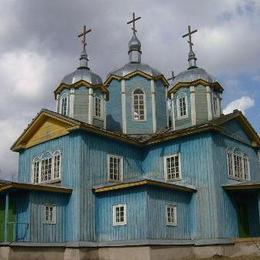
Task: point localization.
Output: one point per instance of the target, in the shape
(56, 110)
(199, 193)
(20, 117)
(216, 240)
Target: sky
(39, 46)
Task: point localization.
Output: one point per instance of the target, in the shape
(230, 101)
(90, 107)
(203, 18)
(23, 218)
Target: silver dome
(82, 73)
(193, 74)
(134, 44)
(131, 67)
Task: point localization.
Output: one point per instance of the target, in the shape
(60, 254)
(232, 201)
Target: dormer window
(139, 109)
(64, 105)
(182, 107)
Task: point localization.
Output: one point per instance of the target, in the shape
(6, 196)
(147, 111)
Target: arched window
(139, 105)
(46, 167)
(182, 106)
(56, 165)
(64, 105)
(36, 170)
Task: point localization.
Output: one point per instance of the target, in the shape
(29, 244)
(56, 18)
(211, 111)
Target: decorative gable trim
(78, 84)
(214, 85)
(136, 73)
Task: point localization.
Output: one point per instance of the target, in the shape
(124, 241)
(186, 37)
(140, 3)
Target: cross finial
(133, 22)
(172, 77)
(190, 32)
(83, 35)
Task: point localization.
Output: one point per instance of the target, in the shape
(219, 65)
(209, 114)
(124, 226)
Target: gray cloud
(39, 45)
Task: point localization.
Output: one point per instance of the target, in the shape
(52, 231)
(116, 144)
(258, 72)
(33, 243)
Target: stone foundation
(241, 249)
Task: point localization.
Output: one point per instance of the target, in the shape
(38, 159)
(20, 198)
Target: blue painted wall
(114, 107)
(160, 101)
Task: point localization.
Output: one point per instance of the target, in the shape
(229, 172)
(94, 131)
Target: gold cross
(83, 35)
(133, 22)
(189, 34)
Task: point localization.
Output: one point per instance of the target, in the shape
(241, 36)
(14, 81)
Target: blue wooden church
(134, 160)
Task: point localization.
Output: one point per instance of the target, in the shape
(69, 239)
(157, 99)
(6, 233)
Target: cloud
(241, 104)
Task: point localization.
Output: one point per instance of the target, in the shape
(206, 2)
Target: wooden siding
(156, 208)
(201, 104)
(136, 215)
(114, 107)
(81, 104)
(160, 104)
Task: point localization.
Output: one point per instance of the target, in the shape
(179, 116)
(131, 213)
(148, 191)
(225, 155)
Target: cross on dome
(83, 35)
(192, 57)
(133, 22)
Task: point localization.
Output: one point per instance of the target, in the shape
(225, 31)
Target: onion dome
(82, 73)
(134, 47)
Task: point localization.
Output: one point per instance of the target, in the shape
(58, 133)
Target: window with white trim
(98, 107)
(115, 168)
(49, 214)
(138, 105)
(36, 170)
(238, 165)
(172, 167)
(182, 107)
(119, 214)
(64, 105)
(171, 215)
(215, 101)
(46, 167)
(56, 165)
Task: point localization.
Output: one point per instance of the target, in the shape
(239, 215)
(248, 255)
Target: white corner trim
(193, 105)
(104, 111)
(90, 106)
(123, 101)
(71, 103)
(208, 94)
(167, 107)
(173, 112)
(57, 102)
(153, 106)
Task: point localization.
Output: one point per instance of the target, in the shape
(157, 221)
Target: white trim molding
(192, 105)
(72, 101)
(209, 106)
(57, 102)
(172, 112)
(90, 106)
(153, 106)
(123, 101)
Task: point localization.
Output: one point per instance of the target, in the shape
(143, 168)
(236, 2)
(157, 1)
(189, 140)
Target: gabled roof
(14, 186)
(144, 182)
(136, 73)
(48, 125)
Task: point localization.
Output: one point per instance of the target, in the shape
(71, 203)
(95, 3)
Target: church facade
(135, 160)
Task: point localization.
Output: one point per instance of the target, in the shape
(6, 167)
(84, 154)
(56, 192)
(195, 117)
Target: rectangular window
(172, 167)
(97, 110)
(182, 107)
(50, 214)
(138, 105)
(36, 171)
(115, 168)
(238, 166)
(46, 165)
(171, 215)
(215, 105)
(64, 106)
(119, 214)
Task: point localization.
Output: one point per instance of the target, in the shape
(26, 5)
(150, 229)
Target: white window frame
(234, 156)
(133, 108)
(215, 104)
(121, 167)
(100, 108)
(49, 218)
(40, 159)
(166, 170)
(179, 116)
(114, 208)
(174, 220)
(63, 97)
